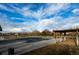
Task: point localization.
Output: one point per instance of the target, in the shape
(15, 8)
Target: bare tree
(46, 32)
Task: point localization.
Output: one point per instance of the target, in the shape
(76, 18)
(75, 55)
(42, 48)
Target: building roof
(66, 30)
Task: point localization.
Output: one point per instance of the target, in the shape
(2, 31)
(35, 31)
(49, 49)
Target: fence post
(11, 51)
(0, 53)
(77, 38)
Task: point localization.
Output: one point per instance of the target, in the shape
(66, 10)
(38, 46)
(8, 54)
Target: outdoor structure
(73, 33)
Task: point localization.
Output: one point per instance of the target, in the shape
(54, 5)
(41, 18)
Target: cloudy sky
(38, 16)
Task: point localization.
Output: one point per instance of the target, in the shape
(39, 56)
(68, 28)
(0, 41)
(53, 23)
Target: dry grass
(63, 48)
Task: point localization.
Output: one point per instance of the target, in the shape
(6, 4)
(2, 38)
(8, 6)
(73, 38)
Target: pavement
(22, 46)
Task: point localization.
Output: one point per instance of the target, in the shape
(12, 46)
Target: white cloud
(55, 8)
(76, 11)
(51, 9)
(68, 23)
(6, 8)
(9, 26)
(55, 22)
(25, 11)
(45, 22)
(14, 29)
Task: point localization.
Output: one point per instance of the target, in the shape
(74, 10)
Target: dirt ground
(67, 47)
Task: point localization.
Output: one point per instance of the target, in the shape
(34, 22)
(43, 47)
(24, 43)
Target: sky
(28, 17)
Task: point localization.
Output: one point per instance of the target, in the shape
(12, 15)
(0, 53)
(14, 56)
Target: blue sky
(27, 17)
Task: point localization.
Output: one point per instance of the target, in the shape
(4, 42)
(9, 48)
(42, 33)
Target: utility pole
(0, 28)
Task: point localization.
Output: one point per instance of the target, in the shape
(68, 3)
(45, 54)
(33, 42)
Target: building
(67, 33)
